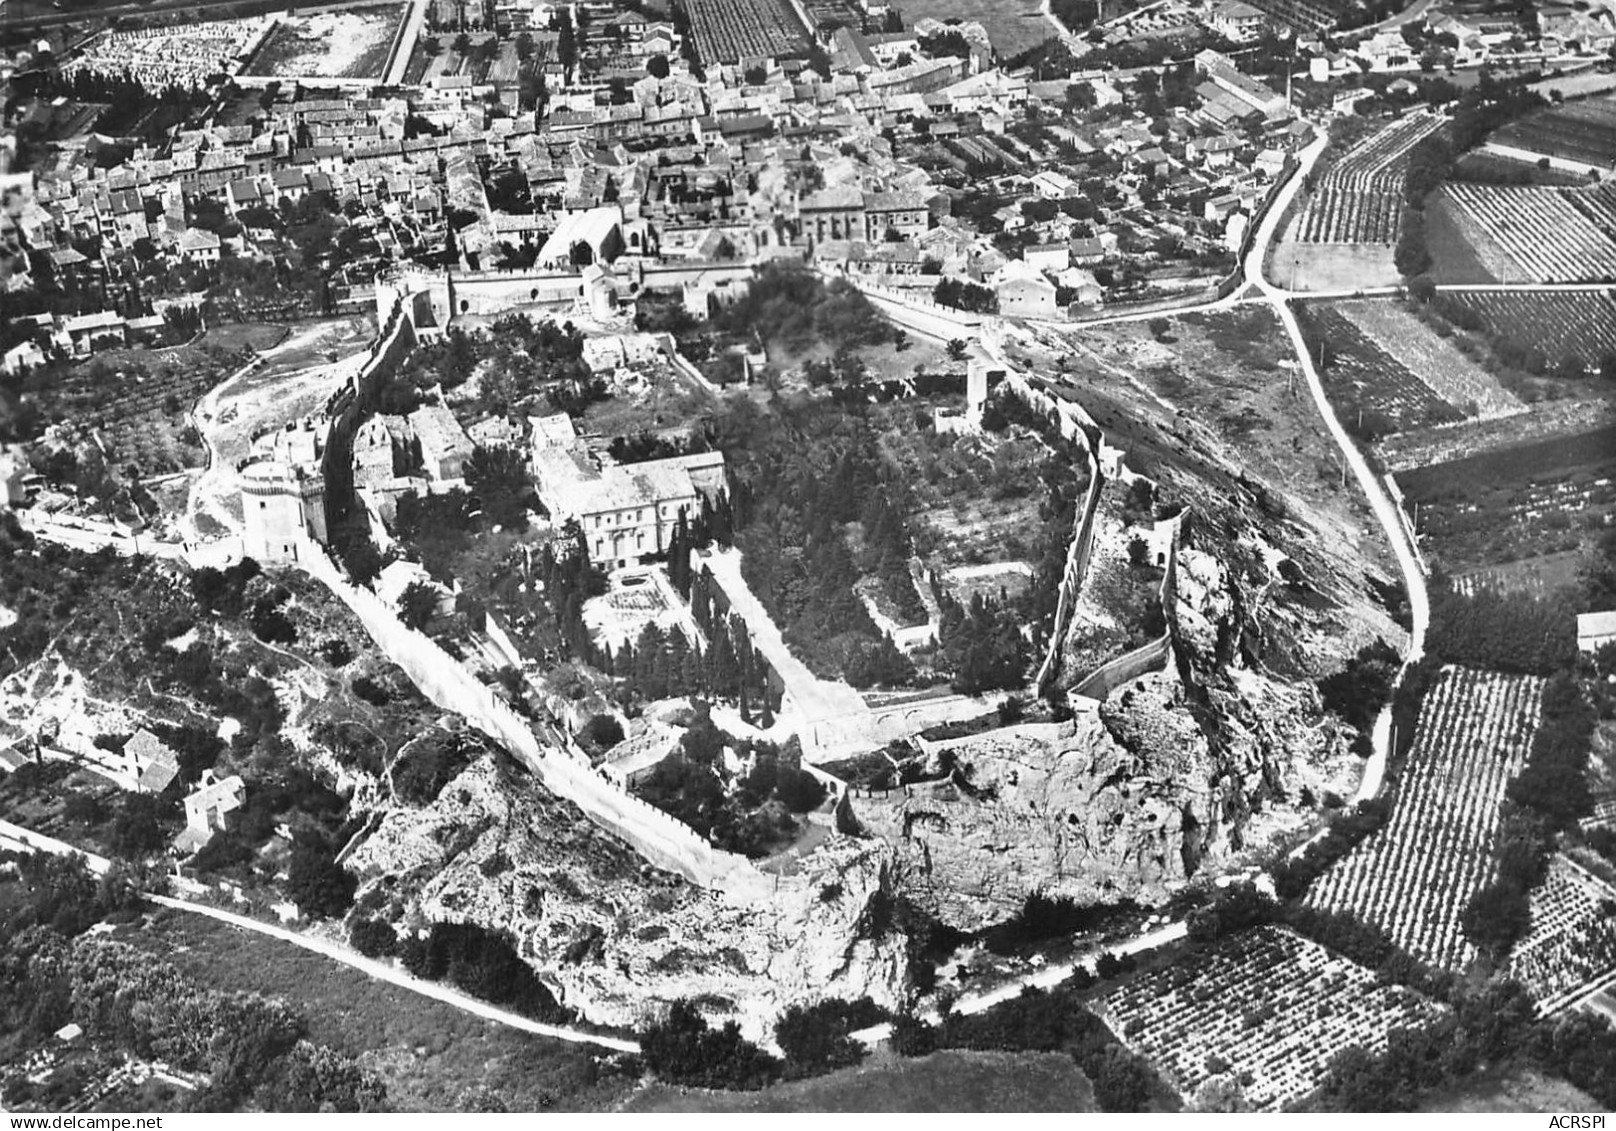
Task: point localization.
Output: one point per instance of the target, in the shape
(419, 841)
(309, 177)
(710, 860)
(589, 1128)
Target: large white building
(628, 512)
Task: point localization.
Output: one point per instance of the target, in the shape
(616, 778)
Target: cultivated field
(1572, 944)
(1584, 132)
(1544, 497)
(1013, 26)
(1450, 374)
(726, 31)
(183, 55)
(1359, 199)
(1533, 234)
(1579, 324)
(353, 43)
(1413, 878)
(1375, 393)
(1267, 1002)
(134, 402)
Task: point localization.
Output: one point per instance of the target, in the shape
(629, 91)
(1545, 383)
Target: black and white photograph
(566, 558)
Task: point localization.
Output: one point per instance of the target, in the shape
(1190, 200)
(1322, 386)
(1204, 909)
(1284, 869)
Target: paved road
(829, 713)
(1047, 978)
(1380, 501)
(386, 972)
(1408, 15)
(19, 839)
(406, 47)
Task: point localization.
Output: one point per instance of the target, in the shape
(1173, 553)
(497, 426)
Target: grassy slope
(1453, 259)
(431, 1054)
(1518, 1089)
(955, 1081)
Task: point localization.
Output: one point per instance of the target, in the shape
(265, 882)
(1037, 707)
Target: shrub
(682, 1049)
(815, 1038)
(371, 691)
(317, 883)
(374, 938)
(602, 732)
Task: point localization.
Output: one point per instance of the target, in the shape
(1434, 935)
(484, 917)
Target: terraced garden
(1413, 877)
(1267, 1002)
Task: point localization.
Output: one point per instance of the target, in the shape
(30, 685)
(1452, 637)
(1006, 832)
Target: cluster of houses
(858, 168)
(144, 764)
(698, 169)
(80, 335)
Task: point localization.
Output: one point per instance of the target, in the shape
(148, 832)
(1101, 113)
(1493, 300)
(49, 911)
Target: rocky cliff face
(613, 937)
(1173, 775)
(1059, 808)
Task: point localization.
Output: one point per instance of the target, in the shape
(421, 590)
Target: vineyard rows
(727, 31)
(1572, 944)
(1580, 324)
(1450, 374)
(1577, 131)
(1343, 216)
(1268, 1002)
(1413, 878)
(1540, 234)
(1376, 394)
(1359, 199)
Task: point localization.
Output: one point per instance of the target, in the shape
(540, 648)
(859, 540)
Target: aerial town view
(648, 556)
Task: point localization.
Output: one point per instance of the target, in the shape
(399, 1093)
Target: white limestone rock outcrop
(615, 938)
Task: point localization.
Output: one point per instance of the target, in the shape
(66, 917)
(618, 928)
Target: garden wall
(921, 315)
(1073, 423)
(1151, 657)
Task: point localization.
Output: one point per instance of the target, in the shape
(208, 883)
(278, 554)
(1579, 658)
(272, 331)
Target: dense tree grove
(816, 1038)
(661, 663)
(1043, 917)
(1545, 799)
(484, 963)
(498, 479)
(522, 365)
(1514, 632)
(962, 295)
(795, 308)
(981, 646)
(1359, 691)
(1048, 1021)
(804, 474)
(570, 579)
(319, 886)
(682, 1049)
(752, 814)
(250, 1047)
